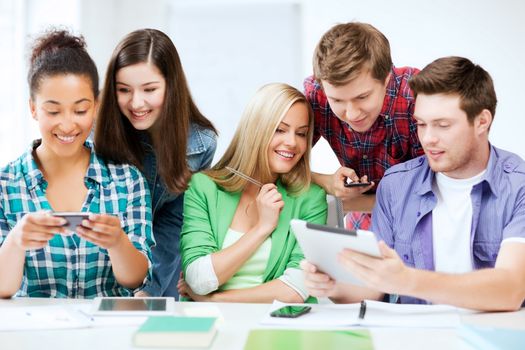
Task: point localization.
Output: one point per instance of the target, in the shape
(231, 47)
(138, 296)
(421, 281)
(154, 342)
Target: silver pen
(246, 177)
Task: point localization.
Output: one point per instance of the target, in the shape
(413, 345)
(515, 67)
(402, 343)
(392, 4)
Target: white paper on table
(108, 321)
(41, 318)
(377, 314)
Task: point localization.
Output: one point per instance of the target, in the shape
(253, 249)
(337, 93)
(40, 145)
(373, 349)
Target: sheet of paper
(41, 318)
(109, 321)
(377, 314)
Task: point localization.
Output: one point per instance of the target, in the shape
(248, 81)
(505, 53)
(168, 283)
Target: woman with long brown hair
(147, 118)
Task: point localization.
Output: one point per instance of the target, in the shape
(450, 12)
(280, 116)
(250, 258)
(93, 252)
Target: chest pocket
(485, 254)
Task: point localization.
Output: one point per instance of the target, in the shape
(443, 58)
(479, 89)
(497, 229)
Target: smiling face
(289, 142)
(64, 107)
(452, 145)
(358, 102)
(140, 93)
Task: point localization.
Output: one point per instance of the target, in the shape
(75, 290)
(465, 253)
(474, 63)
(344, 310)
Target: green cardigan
(209, 210)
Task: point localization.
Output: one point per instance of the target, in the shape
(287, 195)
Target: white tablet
(321, 244)
(133, 306)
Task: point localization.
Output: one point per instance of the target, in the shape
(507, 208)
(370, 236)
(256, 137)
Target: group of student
(448, 207)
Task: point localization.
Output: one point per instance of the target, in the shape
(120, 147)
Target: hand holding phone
(74, 219)
(290, 311)
(350, 183)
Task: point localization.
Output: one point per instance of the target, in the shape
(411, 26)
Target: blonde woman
(236, 242)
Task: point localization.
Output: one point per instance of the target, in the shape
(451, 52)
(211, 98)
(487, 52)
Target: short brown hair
(458, 75)
(347, 49)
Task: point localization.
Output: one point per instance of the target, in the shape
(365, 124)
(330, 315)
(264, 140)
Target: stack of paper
(377, 314)
(41, 318)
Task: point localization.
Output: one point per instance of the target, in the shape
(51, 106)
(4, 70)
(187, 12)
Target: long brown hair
(117, 140)
(248, 150)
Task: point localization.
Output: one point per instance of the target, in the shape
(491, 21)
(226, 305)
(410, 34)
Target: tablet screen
(132, 304)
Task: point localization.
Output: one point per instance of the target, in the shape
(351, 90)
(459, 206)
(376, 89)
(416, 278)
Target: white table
(232, 334)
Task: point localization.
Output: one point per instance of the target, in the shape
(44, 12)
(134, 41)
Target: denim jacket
(167, 210)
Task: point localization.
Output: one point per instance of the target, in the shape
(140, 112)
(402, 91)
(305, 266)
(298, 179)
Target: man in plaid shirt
(363, 107)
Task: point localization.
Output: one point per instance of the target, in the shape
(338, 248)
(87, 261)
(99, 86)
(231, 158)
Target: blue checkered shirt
(70, 266)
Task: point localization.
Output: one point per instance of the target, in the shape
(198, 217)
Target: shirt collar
(392, 89)
(96, 172)
(33, 176)
(493, 173)
(490, 177)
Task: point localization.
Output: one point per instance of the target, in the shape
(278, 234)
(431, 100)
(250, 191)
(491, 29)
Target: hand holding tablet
(321, 244)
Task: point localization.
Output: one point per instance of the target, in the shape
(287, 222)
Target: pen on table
(86, 315)
(362, 310)
(246, 177)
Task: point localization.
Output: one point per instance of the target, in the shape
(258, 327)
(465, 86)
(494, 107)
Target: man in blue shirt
(452, 222)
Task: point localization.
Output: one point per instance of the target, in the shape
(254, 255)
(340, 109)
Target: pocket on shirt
(485, 254)
(404, 250)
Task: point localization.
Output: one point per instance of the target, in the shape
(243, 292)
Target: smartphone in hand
(350, 183)
(74, 219)
(290, 311)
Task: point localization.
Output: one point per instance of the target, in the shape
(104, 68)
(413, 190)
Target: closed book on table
(489, 338)
(286, 339)
(173, 331)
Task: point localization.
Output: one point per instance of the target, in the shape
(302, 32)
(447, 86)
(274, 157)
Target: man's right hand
(335, 184)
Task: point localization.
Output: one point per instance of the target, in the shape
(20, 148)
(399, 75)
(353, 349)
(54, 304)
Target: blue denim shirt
(167, 210)
(402, 216)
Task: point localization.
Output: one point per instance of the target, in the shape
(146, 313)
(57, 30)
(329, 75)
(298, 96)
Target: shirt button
(405, 256)
(418, 214)
(365, 156)
(387, 117)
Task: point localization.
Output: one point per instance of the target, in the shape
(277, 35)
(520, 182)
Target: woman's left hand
(103, 230)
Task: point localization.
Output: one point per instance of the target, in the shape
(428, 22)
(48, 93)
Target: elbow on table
(291, 297)
(7, 294)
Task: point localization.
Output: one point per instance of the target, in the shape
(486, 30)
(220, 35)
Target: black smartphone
(291, 311)
(349, 183)
(74, 219)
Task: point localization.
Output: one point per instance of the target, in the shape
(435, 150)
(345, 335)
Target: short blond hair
(248, 150)
(348, 49)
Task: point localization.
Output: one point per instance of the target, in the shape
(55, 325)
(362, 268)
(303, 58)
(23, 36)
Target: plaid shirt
(392, 139)
(70, 266)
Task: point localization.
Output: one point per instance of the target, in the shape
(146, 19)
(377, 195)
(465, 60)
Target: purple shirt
(402, 216)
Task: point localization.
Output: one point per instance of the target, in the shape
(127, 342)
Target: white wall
(488, 32)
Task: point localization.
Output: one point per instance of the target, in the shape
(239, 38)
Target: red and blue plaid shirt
(392, 139)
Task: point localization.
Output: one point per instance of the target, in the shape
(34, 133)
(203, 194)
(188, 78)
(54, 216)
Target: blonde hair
(348, 49)
(248, 150)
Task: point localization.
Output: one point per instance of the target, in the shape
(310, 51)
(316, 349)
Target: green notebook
(173, 331)
(277, 339)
